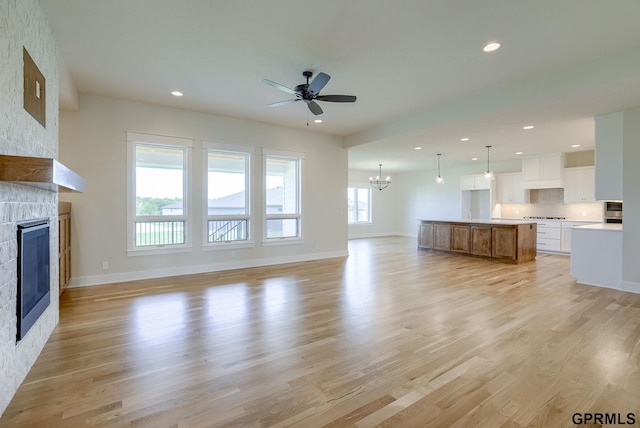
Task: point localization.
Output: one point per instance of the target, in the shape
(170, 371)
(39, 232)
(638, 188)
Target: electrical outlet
(105, 265)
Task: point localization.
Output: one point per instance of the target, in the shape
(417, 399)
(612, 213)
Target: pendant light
(488, 174)
(439, 179)
(379, 183)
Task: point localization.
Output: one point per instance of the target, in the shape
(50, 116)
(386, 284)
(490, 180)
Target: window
(228, 195)
(282, 197)
(158, 210)
(359, 205)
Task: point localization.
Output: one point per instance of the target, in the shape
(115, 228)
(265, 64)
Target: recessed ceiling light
(528, 127)
(318, 120)
(474, 158)
(464, 139)
(177, 93)
(418, 148)
(493, 46)
(575, 145)
(518, 153)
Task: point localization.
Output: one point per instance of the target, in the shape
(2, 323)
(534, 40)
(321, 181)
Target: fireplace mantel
(43, 173)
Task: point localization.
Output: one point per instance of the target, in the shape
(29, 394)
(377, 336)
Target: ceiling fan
(309, 92)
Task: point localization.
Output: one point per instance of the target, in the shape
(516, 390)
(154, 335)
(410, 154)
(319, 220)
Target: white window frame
(133, 140)
(357, 222)
(299, 158)
(207, 147)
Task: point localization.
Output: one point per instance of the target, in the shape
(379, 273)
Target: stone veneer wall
(23, 23)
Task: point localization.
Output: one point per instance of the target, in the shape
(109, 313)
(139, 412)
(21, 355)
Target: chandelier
(379, 183)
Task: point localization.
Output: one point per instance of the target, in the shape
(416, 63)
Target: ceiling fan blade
(279, 86)
(337, 98)
(281, 103)
(318, 83)
(314, 107)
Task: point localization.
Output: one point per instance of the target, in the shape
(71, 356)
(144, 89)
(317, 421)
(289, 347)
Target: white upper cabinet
(579, 185)
(509, 189)
(543, 171)
(474, 182)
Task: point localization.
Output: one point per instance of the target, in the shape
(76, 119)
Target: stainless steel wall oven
(613, 212)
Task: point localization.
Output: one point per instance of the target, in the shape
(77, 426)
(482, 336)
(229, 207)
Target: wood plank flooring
(390, 337)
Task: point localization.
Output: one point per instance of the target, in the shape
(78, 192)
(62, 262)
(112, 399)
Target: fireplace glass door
(33, 273)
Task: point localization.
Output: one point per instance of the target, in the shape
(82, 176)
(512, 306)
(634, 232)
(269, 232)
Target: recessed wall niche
(34, 89)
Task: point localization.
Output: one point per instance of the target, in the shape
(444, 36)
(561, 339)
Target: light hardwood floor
(390, 336)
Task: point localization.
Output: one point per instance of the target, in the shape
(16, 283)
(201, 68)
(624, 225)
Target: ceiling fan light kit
(309, 92)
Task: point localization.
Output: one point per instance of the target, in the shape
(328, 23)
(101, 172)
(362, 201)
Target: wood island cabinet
(425, 235)
(460, 238)
(442, 236)
(504, 242)
(480, 240)
(508, 241)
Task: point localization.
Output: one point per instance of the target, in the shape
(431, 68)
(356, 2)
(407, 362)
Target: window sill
(158, 250)
(282, 241)
(228, 246)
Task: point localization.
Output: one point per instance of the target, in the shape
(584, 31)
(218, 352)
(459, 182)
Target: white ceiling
(416, 66)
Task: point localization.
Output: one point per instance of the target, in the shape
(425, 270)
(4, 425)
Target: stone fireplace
(24, 26)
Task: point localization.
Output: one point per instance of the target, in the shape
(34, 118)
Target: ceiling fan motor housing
(303, 88)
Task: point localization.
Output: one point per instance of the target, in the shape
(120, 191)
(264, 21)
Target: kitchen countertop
(609, 227)
(577, 220)
(511, 222)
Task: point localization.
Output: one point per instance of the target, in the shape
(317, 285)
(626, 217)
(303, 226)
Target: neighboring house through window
(358, 205)
(157, 203)
(228, 189)
(282, 196)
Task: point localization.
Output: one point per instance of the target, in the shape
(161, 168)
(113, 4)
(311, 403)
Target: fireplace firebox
(33, 273)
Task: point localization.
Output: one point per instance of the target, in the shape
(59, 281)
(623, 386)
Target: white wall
(419, 197)
(631, 198)
(383, 207)
(92, 142)
(609, 156)
(23, 23)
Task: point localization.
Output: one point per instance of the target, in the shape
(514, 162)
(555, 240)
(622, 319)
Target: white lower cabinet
(565, 241)
(554, 236)
(549, 236)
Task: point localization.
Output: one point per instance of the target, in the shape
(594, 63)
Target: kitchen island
(511, 241)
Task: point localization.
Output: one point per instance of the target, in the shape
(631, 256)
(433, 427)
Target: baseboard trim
(631, 287)
(86, 281)
(592, 284)
(370, 235)
(628, 286)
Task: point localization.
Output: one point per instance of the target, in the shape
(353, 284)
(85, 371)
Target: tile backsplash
(550, 203)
